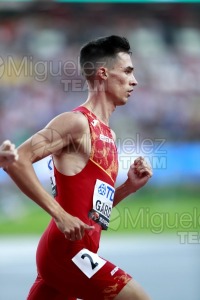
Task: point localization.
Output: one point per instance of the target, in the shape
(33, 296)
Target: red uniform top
(75, 193)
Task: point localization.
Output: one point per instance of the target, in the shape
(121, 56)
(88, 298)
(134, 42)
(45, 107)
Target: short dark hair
(100, 50)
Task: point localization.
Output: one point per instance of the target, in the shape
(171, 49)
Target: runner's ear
(102, 73)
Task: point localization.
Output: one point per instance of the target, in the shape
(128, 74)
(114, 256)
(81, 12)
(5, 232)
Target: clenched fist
(8, 154)
(139, 173)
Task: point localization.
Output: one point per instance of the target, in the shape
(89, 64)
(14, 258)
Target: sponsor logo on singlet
(94, 122)
(106, 139)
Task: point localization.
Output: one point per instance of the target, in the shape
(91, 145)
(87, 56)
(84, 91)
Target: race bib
(52, 177)
(88, 262)
(103, 197)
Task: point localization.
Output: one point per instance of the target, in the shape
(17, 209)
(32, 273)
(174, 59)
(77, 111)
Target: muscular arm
(51, 140)
(23, 174)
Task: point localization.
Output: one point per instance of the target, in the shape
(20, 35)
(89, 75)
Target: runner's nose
(133, 81)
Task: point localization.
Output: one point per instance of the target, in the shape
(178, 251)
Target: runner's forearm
(23, 174)
(122, 192)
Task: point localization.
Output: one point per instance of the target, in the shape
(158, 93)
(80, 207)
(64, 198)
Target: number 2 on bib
(88, 262)
(93, 265)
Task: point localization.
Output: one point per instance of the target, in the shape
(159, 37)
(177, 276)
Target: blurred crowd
(40, 76)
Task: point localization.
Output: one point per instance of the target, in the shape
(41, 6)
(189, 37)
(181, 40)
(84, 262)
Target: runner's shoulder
(71, 121)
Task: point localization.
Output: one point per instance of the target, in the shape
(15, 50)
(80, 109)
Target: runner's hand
(72, 227)
(139, 173)
(8, 153)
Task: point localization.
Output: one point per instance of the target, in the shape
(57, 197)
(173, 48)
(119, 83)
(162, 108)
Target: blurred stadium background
(40, 78)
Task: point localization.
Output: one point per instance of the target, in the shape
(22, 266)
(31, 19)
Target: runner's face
(121, 81)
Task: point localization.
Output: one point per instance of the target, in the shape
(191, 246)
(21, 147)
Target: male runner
(85, 162)
(8, 154)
